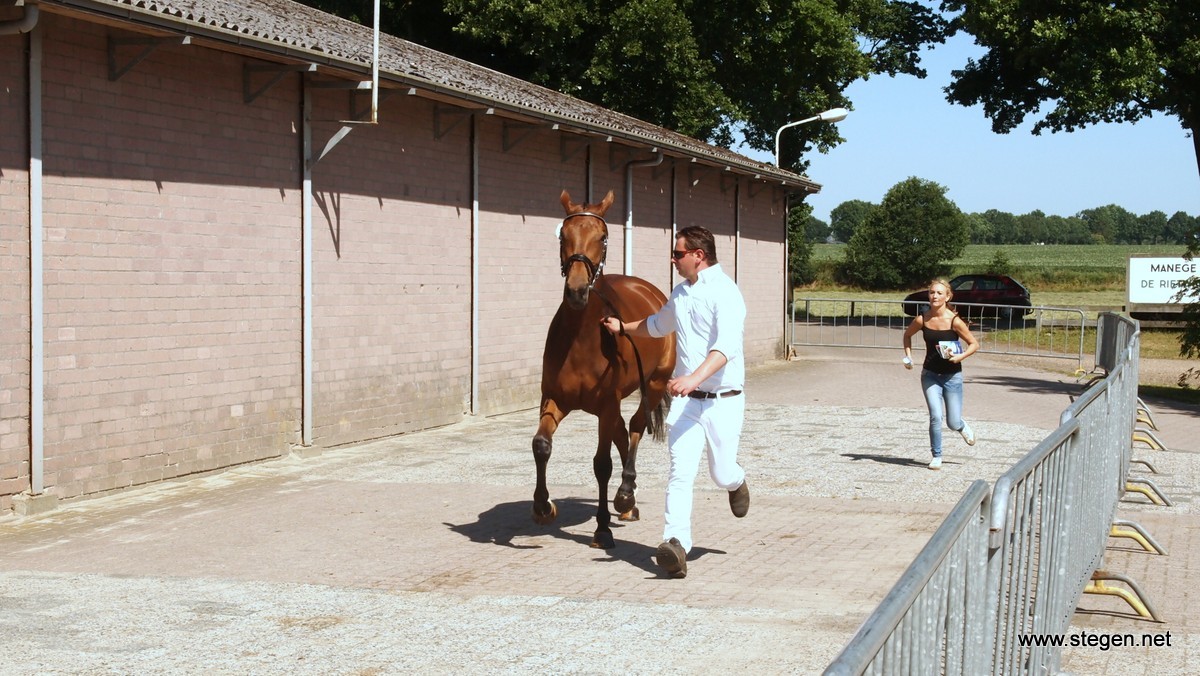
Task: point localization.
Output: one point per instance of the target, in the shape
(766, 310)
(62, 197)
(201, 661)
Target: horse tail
(658, 419)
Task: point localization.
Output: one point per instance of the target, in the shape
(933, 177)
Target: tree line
(1109, 224)
(906, 239)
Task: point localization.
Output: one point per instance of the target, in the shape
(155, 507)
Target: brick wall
(392, 257)
(173, 285)
(14, 272)
(761, 278)
(172, 320)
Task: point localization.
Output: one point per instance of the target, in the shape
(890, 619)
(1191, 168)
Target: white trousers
(697, 425)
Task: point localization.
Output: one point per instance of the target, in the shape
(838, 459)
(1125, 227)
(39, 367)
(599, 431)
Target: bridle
(594, 269)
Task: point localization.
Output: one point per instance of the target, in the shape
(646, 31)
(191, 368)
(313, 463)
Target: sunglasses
(676, 254)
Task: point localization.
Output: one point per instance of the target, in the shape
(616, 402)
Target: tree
(705, 68)
(1004, 226)
(1109, 224)
(908, 239)
(799, 247)
(1180, 228)
(1092, 62)
(846, 217)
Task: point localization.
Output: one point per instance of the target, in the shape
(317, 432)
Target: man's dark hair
(696, 237)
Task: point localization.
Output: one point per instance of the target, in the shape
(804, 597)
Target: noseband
(594, 269)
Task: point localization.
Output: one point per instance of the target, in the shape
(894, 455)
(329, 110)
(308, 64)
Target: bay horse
(584, 367)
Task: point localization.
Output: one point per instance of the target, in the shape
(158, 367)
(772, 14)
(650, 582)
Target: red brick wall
(14, 271)
(172, 333)
(392, 257)
(761, 278)
(173, 257)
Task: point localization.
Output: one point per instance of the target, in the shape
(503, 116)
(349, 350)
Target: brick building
(210, 257)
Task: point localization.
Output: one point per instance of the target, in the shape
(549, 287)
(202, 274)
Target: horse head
(583, 247)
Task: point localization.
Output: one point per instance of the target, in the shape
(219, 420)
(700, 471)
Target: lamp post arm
(786, 126)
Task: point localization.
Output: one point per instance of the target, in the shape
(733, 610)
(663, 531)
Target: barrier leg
(1152, 468)
(1147, 488)
(1134, 598)
(1149, 438)
(1144, 411)
(1134, 531)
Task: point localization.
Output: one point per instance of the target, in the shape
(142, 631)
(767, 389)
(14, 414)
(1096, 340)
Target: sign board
(1155, 280)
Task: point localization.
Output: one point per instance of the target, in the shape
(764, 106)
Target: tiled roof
(300, 31)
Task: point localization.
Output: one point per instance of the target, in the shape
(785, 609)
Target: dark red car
(978, 296)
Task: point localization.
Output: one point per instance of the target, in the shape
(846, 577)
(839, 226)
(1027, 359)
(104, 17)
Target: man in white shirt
(708, 315)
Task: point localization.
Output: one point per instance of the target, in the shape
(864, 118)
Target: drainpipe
(37, 312)
(22, 25)
(474, 264)
(629, 206)
(306, 268)
(737, 231)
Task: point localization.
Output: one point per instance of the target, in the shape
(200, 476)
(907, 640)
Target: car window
(964, 285)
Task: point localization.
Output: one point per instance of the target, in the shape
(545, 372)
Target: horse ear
(606, 202)
(565, 198)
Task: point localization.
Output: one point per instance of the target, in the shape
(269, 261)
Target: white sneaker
(968, 434)
(936, 463)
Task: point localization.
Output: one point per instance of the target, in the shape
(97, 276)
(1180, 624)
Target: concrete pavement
(417, 553)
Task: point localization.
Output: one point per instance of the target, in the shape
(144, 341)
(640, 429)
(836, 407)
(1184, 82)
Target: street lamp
(831, 115)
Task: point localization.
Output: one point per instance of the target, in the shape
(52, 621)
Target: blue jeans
(943, 395)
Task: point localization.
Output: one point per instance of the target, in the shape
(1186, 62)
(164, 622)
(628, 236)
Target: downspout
(629, 206)
(306, 269)
(737, 230)
(37, 308)
(474, 264)
(22, 25)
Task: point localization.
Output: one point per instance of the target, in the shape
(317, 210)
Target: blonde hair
(944, 282)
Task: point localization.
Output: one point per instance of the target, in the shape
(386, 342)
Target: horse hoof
(624, 502)
(603, 541)
(631, 515)
(543, 516)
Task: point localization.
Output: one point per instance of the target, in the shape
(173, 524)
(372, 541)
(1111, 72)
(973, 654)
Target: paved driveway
(418, 553)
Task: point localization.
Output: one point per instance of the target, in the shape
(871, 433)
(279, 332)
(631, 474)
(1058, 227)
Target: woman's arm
(964, 332)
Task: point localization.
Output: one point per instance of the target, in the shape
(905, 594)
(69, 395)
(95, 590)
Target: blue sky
(904, 126)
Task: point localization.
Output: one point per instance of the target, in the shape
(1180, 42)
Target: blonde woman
(948, 341)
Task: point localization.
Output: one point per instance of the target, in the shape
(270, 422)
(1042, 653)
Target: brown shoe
(739, 500)
(671, 558)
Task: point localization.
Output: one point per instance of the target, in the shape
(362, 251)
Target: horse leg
(544, 511)
(625, 501)
(610, 419)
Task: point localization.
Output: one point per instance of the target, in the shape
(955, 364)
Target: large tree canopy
(1090, 61)
(705, 68)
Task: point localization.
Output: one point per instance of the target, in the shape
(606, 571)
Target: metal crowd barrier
(1048, 520)
(1001, 329)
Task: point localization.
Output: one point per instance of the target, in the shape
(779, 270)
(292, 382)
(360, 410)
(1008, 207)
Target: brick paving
(418, 552)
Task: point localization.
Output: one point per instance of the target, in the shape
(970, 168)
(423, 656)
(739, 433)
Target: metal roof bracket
(275, 73)
(513, 133)
(569, 145)
(355, 114)
(618, 155)
(456, 115)
(147, 45)
(728, 179)
(750, 191)
(693, 179)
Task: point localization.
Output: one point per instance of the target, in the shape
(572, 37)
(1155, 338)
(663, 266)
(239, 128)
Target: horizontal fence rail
(1047, 521)
(1001, 329)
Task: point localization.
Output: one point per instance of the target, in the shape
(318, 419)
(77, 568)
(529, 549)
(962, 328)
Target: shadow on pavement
(885, 459)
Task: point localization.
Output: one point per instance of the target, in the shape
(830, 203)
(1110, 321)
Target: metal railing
(1001, 329)
(1048, 519)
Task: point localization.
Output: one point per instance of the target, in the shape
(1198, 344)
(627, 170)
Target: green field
(1054, 273)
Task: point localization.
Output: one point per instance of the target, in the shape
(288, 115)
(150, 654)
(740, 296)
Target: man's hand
(683, 385)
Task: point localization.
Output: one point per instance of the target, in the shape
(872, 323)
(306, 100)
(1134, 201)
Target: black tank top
(933, 360)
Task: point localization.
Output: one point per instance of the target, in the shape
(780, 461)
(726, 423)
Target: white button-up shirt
(705, 316)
